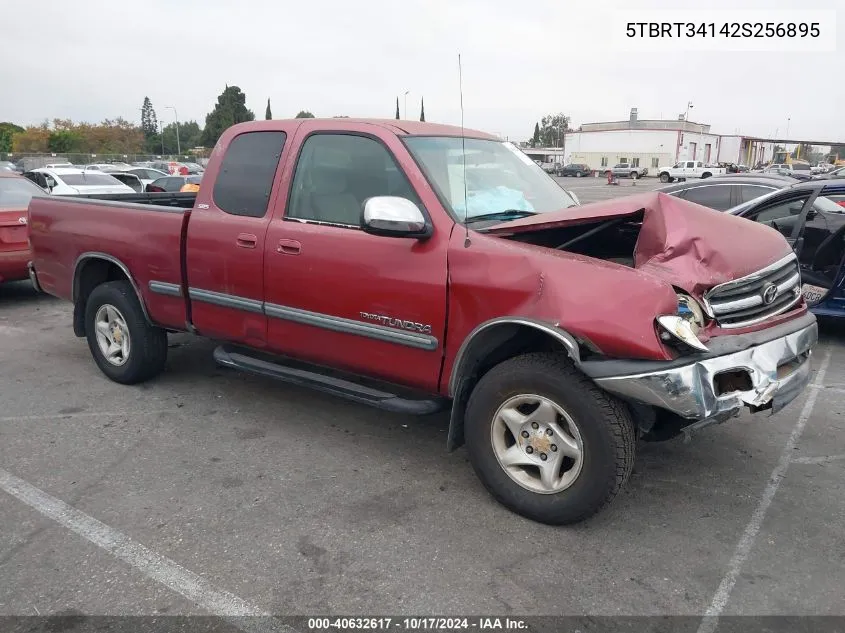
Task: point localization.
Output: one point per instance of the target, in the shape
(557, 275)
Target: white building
(652, 144)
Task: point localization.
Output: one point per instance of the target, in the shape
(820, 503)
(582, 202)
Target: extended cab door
(225, 243)
(341, 297)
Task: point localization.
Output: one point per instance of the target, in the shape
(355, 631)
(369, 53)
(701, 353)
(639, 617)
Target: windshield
(499, 177)
(15, 193)
(800, 167)
(90, 180)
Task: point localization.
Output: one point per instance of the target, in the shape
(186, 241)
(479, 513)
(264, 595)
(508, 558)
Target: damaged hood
(685, 244)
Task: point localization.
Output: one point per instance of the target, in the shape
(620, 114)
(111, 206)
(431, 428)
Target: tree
(340, 116)
(535, 140)
(806, 151)
(268, 114)
(397, 108)
(229, 110)
(61, 141)
(422, 110)
(149, 121)
(552, 129)
(32, 139)
(304, 114)
(7, 132)
(190, 135)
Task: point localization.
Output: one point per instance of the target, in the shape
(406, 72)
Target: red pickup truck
(416, 266)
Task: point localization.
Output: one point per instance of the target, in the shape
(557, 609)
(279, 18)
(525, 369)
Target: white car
(688, 169)
(146, 174)
(107, 167)
(71, 182)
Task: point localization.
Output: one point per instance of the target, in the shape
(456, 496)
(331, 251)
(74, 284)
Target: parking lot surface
(596, 189)
(271, 498)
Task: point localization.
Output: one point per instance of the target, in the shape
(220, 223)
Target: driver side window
(337, 173)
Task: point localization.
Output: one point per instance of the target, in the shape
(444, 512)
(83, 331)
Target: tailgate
(14, 232)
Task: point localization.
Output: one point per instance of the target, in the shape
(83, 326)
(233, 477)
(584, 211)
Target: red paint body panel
(439, 282)
(146, 242)
(15, 252)
(342, 272)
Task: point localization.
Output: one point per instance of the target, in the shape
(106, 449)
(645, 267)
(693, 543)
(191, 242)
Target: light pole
(176, 116)
(686, 120)
(405, 115)
(788, 119)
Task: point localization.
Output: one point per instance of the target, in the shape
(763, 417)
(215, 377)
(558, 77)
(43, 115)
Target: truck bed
(142, 232)
(180, 200)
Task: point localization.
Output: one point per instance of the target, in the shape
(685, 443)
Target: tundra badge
(412, 326)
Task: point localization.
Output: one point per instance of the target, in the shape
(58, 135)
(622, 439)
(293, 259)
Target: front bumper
(762, 374)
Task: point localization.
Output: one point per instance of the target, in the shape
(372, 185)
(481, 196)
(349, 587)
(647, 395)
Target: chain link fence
(28, 160)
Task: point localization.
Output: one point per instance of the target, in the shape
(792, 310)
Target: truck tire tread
(148, 351)
(605, 410)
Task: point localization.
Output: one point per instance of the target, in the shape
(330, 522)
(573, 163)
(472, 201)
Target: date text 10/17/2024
(417, 624)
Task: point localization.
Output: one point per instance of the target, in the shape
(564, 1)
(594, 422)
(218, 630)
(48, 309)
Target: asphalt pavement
(209, 491)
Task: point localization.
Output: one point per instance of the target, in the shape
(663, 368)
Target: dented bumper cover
(765, 370)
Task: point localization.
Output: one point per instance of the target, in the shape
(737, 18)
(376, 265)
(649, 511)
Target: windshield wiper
(508, 214)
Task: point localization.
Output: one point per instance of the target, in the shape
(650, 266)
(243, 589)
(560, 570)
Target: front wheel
(578, 174)
(634, 175)
(545, 441)
(124, 345)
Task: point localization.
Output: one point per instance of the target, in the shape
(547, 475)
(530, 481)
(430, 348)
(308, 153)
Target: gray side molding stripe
(350, 326)
(226, 301)
(165, 288)
(305, 317)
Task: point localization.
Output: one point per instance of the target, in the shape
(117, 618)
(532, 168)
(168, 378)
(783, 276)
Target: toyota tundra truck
(418, 267)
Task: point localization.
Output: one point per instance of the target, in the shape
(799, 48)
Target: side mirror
(392, 216)
(50, 184)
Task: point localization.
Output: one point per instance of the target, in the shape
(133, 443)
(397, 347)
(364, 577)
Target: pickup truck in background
(627, 170)
(688, 169)
(417, 267)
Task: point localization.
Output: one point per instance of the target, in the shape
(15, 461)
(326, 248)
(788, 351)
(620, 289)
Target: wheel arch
(491, 343)
(90, 270)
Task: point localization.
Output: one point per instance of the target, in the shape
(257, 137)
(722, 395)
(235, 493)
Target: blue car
(811, 216)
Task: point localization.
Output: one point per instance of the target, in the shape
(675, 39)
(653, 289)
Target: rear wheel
(634, 175)
(578, 174)
(706, 174)
(545, 441)
(664, 177)
(124, 345)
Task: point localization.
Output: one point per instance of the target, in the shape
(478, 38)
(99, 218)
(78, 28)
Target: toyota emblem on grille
(22, 219)
(769, 293)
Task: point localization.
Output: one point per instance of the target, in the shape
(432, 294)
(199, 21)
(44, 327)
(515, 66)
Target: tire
(664, 177)
(599, 423)
(706, 174)
(578, 174)
(634, 175)
(145, 351)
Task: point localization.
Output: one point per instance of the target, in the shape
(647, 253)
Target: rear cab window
(245, 180)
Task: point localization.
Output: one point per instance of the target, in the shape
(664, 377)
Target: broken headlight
(684, 325)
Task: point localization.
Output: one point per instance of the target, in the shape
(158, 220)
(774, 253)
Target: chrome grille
(756, 297)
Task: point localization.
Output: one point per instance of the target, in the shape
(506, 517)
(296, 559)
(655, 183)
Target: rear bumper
(761, 374)
(13, 265)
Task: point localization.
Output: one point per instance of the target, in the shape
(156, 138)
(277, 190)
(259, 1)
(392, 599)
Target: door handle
(289, 247)
(247, 240)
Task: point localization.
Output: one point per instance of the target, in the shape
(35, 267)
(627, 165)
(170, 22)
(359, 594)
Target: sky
(94, 59)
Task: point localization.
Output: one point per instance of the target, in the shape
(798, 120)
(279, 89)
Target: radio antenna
(463, 154)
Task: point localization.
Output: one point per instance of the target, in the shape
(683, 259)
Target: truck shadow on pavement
(21, 293)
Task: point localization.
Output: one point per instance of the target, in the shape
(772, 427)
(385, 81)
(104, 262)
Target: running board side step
(310, 376)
